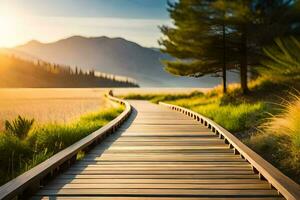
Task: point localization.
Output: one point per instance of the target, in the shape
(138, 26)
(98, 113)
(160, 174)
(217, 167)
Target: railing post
(29, 182)
(285, 186)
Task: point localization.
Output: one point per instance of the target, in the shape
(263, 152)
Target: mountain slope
(113, 55)
(20, 73)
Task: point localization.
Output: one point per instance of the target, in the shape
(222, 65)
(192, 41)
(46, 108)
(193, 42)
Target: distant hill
(20, 73)
(114, 55)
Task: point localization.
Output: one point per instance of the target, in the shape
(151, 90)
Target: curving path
(160, 154)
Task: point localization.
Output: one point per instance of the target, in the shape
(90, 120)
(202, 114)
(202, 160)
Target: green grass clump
(19, 154)
(155, 98)
(55, 137)
(247, 117)
(19, 127)
(13, 154)
(233, 117)
(139, 96)
(233, 113)
(277, 139)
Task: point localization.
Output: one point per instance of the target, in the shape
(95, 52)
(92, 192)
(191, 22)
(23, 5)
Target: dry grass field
(62, 105)
(49, 105)
(157, 91)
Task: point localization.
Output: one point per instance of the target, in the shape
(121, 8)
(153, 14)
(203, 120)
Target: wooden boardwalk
(160, 154)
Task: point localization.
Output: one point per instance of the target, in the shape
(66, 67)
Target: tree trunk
(244, 63)
(224, 61)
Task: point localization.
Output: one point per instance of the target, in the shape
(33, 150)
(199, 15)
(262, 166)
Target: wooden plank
(148, 172)
(33, 176)
(167, 126)
(196, 128)
(164, 138)
(160, 192)
(170, 143)
(287, 187)
(141, 122)
(166, 163)
(157, 151)
(162, 158)
(162, 148)
(177, 155)
(165, 181)
(156, 128)
(160, 176)
(163, 166)
(151, 198)
(161, 155)
(153, 154)
(168, 168)
(198, 186)
(174, 134)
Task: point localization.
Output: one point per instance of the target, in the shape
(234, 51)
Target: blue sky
(146, 9)
(50, 20)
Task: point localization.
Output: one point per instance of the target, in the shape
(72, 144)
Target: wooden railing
(284, 185)
(32, 180)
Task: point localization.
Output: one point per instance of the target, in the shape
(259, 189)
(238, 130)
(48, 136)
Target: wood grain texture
(31, 180)
(160, 154)
(284, 185)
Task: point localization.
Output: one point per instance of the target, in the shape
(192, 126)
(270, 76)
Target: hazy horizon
(67, 37)
(48, 21)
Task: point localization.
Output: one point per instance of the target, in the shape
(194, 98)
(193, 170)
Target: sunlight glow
(18, 26)
(49, 22)
(10, 20)
(17, 30)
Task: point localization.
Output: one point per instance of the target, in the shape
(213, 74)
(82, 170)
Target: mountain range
(115, 56)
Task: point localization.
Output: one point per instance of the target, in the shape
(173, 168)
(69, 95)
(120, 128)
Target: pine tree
(255, 24)
(198, 40)
(209, 37)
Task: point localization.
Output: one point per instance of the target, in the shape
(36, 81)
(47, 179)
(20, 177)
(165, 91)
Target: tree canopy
(212, 36)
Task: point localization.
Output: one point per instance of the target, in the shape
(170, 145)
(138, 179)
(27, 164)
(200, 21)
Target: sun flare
(8, 30)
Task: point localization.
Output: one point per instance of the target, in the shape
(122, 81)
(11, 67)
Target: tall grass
(279, 139)
(155, 98)
(20, 154)
(235, 116)
(13, 154)
(283, 59)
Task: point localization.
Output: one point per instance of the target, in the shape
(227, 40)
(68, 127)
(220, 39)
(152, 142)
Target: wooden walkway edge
(32, 180)
(284, 185)
(161, 154)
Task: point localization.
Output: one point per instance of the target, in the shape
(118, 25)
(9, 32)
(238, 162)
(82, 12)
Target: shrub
(19, 127)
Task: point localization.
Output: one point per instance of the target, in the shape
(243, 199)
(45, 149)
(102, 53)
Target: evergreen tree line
(68, 70)
(16, 72)
(213, 36)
